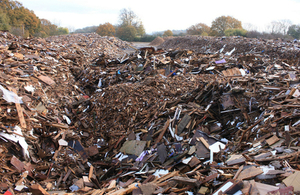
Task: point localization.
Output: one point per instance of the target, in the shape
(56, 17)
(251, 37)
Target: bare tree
(71, 29)
(127, 17)
(274, 27)
(285, 24)
(280, 26)
(249, 27)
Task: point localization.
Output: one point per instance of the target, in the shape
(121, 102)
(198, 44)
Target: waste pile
(288, 51)
(157, 41)
(195, 115)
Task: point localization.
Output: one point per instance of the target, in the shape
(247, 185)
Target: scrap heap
(85, 114)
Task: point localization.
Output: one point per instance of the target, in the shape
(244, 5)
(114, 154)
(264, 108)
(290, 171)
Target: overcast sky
(161, 15)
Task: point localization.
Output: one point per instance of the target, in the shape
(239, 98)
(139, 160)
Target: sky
(161, 15)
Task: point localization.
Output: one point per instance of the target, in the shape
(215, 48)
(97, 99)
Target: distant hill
(175, 32)
(88, 29)
(179, 32)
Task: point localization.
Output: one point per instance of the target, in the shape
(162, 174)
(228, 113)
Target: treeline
(229, 26)
(21, 21)
(131, 28)
(17, 19)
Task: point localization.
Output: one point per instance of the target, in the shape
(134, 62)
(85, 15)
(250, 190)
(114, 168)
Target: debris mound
(273, 48)
(79, 115)
(157, 41)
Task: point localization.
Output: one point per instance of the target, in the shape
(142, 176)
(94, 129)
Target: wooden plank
(67, 175)
(187, 181)
(127, 190)
(194, 161)
(91, 172)
(19, 165)
(20, 112)
(238, 172)
(165, 177)
(204, 142)
(183, 123)
(249, 173)
(272, 140)
(210, 177)
(99, 192)
(38, 190)
(162, 132)
(46, 79)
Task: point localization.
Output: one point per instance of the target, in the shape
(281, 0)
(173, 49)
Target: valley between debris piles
(80, 114)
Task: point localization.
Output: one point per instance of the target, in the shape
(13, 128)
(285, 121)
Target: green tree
(23, 22)
(168, 33)
(4, 21)
(8, 5)
(198, 29)
(127, 33)
(294, 31)
(20, 17)
(106, 29)
(235, 32)
(47, 28)
(24, 18)
(222, 23)
(140, 29)
(62, 31)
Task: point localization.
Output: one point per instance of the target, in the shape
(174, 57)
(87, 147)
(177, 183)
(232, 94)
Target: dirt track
(140, 44)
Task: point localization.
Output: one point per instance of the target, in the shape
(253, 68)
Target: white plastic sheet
(10, 96)
(18, 138)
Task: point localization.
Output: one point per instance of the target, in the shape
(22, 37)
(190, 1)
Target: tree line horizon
(20, 21)
(221, 26)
